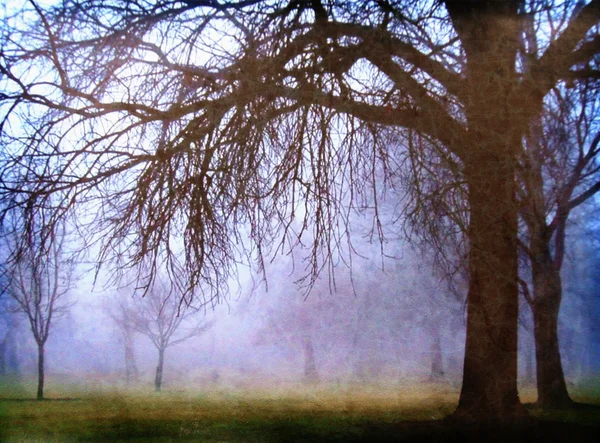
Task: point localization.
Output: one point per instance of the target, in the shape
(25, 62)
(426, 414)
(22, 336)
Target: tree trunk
(529, 364)
(12, 357)
(9, 361)
(551, 386)
(437, 368)
(489, 390)
(40, 387)
(159, 370)
(310, 367)
(3, 356)
(496, 119)
(131, 371)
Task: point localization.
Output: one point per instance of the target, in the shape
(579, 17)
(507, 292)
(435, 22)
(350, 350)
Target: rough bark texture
(159, 370)
(547, 285)
(489, 388)
(40, 386)
(489, 36)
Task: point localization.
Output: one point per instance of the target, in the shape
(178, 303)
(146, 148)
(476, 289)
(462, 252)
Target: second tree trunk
(159, 370)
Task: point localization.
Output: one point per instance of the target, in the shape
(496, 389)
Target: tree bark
(496, 123)
(40, 386)
(547, 286)
(159, 370)
(489, 390)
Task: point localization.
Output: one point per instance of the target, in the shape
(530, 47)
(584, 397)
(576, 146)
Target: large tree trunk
(496, 123)
(551, 386)
(40, 386)
(159, 370)
(489, 390)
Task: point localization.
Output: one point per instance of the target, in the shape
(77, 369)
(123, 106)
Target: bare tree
(162, 317)
(254, 113)
(558, 171)
(38, 282)
(561, 171)
(120, 312)
(293, 325)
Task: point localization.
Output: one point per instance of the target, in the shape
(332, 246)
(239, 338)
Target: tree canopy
(197, 132)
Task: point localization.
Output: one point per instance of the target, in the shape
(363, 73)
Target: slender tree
(39, 283)
(211, 121)
(120, 313)
(165, 320)
(561, 171)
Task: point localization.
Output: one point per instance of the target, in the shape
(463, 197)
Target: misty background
(386, 318)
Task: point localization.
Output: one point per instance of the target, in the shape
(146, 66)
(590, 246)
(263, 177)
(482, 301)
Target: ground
(412, 412)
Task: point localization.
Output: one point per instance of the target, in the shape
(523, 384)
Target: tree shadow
(526, 431)
(586, 407)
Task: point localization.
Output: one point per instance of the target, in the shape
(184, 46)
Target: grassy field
(354, 413)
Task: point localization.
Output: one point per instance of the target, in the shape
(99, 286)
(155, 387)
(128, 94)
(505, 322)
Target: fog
(383, 321)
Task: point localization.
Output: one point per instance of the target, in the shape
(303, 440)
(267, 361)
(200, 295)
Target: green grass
(354, 413)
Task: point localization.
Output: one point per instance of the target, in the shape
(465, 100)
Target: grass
(355, 413)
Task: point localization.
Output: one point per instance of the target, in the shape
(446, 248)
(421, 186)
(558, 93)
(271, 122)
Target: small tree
(120, 314)
(38, 279)
(292, 322)
(162, 316)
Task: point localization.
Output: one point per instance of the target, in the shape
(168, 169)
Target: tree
(38, 282)
(254, 113)
(561, 171)
(289, 330)
(295, 324)
(557, 171)
(9, 329)
(121, 317)
(162, 317)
